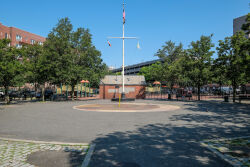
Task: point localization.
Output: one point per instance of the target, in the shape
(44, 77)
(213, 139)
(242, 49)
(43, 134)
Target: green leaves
(182, 67)
(246, 27)
(199, 58)
(66, 57)
(170, 52)
(72, 55)
(233, 58)
(35, 64)
(10, 66)
(152, 73)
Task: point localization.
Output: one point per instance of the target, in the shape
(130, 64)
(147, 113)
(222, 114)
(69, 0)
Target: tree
(218, 71)
(10, 66)
(86, 61)
(170, 52)
(57, 52)
(152, 73)
(197, 62)
(72, 56)
(246, 27)
(171, 69)
(235, 59)
(245, 48)
(36, 66)
(245, 52)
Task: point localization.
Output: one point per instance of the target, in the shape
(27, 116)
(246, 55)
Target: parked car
(48, 94)
(14, 94)
(32, 93)
(1, 94)
(28, 93)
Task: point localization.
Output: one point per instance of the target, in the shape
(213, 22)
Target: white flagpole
(123, 79)
(123, 55)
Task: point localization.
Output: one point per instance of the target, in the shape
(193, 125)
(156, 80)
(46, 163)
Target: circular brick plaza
(126, 107)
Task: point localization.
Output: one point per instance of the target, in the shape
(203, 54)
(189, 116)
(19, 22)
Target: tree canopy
(10, 66)
(234, 59)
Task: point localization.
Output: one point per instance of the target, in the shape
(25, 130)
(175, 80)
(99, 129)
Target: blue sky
(153, 21)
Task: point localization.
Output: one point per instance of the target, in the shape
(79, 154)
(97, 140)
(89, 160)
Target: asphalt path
(149, 139)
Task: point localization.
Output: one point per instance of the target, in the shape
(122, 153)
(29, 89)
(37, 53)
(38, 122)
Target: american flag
(109, 43)
(123, 16)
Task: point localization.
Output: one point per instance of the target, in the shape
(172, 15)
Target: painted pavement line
(41, 142)
(88, 156)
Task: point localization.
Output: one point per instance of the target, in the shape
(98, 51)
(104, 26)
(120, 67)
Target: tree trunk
(35, 86)
(234, 92)
(221, 89)
(6, 96)
(171, 90)
(199, 98)
(72, 92)
(43, 92)
(169, 94)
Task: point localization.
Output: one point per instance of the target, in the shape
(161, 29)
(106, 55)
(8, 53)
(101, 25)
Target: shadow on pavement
(176, 143)
(55, 159)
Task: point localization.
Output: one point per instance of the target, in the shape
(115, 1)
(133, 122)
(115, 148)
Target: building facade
(237, 24)
(19, 37)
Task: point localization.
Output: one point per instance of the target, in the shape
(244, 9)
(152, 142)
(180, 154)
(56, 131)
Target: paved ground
(30, 154)
(151, 139)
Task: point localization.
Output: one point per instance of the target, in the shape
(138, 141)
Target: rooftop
(129, 80)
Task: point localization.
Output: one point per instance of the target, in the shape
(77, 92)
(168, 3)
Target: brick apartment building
(19, 37)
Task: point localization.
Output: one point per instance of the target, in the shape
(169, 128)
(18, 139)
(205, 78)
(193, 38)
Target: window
(32, 41)
(18, 45)
(6, 35)
(40, 43)
(18, 37)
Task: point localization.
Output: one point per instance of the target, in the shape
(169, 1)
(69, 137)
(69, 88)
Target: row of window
(19, 38)
(32, 41)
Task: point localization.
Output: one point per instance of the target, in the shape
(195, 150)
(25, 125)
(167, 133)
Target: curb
(41, 142)
(88, 156)
(232, 162)
(223, 157)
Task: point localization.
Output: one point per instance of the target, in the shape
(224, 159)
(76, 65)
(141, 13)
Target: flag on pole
(123, 16)
(138, 45)
(109, 43)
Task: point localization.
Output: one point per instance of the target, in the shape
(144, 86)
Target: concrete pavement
(149, 139)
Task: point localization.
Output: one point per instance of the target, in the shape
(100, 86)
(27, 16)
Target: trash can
(226, 99)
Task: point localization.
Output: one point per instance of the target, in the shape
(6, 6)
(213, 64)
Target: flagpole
(123, 79)
(123, 55)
